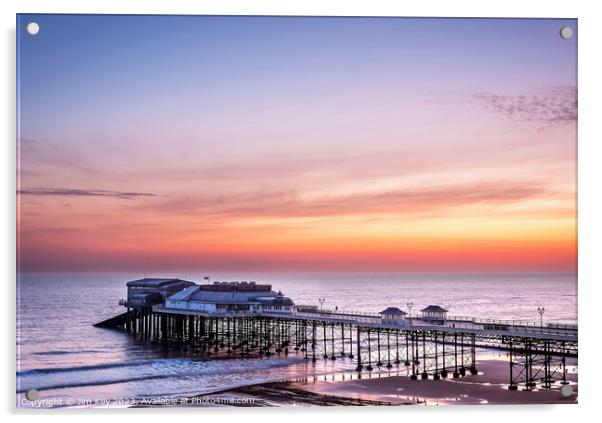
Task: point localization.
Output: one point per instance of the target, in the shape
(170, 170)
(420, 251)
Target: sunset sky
(296, 144)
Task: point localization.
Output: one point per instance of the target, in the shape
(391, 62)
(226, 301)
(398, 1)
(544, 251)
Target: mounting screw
(566, 390)
(33, 28)
(33, 394)
(566, 32)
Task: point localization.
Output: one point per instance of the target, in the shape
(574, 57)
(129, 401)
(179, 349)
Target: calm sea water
(65, 358)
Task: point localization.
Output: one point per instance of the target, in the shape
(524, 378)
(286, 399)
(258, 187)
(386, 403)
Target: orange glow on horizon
(477, 241)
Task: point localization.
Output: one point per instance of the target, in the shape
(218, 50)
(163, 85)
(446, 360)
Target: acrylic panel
(250, 211)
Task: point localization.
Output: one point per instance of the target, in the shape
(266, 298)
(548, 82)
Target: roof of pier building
(200, 293)
(393, 311)
(278, 301)
(434, 309)
(156, 282)
(236, 286)
(184, 294)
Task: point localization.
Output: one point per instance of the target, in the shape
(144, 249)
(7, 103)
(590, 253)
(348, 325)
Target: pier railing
(527, 323)
(452, 322)
(341, 313)
(552, 328)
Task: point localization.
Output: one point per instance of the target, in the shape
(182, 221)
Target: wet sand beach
(489, 386)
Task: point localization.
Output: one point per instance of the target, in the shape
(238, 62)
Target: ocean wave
(50, 370)
(97, 383)
(227, 368)
(167, 364)
(64, 352)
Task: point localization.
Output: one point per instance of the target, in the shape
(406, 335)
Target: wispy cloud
(73, 192)
(551, 106)
(26, 141)
(289, 203)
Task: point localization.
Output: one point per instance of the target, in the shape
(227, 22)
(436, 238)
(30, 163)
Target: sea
(70, 363)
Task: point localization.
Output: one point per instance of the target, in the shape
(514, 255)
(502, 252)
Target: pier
(429, 346)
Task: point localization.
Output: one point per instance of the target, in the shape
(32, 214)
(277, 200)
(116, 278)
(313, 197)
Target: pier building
(230, 297)
(149, 291)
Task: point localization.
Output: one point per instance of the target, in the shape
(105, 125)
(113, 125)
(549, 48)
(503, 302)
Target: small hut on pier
(393, 315)
(434, 314)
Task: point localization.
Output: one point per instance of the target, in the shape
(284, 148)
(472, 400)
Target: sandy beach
(489, 386)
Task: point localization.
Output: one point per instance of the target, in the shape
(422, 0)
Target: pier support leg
(389, 365)
(342, 340)
(436, 375)
(378, 362)
(547, 381)
(332, 347)
(414, 376)
(529, 381)
(397, 361)
(407, 362)
(369, 366)
(324, 340)
(473, 355)
(462, 358)
(424, 372)
(313, 341)
(563, 365)
(455, 374)
(444, 363)
(359, 351)
(351, 341)
(512, 386)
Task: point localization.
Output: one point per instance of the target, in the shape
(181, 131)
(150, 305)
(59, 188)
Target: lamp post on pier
(410, 305)
(321, 301)
(541, 310)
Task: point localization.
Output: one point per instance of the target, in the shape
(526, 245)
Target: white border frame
(590, 207)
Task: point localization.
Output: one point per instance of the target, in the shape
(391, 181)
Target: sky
(293, 144)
